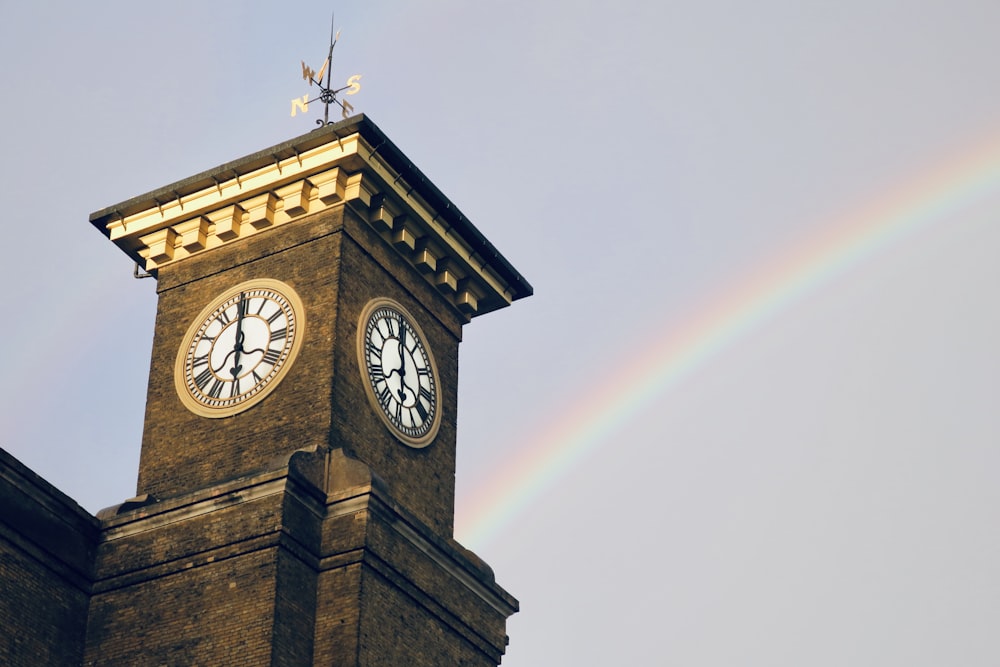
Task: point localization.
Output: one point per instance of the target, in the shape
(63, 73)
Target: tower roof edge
(381, 146)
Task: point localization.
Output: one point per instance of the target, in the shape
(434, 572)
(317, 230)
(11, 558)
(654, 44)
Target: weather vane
(327, 93)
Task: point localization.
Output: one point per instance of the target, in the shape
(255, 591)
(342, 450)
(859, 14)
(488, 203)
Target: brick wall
(336, 264)
(270, 569)
(181, 451)
(422, 480)
(47, 544)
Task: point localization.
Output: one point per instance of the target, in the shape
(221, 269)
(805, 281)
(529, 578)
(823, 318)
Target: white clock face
(401, 377)
(238, 349)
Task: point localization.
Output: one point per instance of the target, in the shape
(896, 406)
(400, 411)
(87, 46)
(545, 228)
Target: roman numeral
(199, 361)
(426, 394)
(421, 410)
(224, 318)
(376, 373)
(278, 313)
(272, 356)
(216, 389)
(202, 378)
(373, 350)
(388, 325)
(385, 397)
(279, 334)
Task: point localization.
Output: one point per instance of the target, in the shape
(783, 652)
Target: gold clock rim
(366, 313)
(199, 408)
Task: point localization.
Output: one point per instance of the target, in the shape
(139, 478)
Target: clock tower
(295, 497)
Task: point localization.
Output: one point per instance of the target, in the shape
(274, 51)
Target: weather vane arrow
(327, 93)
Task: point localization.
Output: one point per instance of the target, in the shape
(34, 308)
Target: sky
(750, 414)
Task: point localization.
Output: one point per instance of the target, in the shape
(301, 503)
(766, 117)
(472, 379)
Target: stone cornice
(349, 164)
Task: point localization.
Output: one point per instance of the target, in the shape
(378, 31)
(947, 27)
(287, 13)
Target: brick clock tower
(297, 478)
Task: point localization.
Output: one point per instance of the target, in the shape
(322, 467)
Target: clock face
(239, 348)
(399, 372)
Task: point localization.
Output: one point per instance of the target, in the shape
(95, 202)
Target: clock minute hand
(402, 361)
(238, 346)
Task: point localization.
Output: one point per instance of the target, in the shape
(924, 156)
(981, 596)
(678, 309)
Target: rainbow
(632, 386)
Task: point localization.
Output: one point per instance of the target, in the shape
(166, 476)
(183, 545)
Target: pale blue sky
(821, 492)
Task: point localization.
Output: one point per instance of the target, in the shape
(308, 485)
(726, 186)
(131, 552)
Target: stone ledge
(350, 162)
